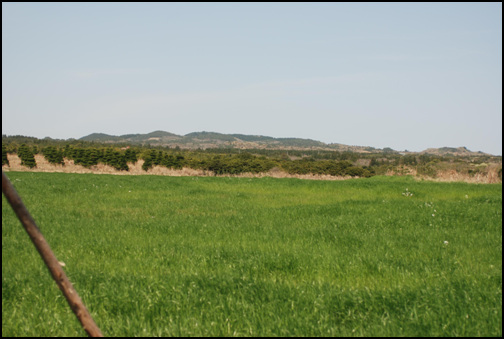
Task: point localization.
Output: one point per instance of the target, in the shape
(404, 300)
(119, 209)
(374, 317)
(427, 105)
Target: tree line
(219, 164)
(236, 161)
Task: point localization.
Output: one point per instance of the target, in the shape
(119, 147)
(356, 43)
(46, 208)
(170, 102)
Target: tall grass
(202, 256)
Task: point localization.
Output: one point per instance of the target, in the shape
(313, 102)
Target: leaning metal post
(50, 260)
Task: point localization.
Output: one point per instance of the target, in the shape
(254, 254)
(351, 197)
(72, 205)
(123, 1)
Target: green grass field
(205, 256)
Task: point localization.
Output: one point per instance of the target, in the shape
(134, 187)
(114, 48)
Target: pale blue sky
(400, 75)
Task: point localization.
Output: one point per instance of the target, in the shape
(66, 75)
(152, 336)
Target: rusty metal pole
(50, 260)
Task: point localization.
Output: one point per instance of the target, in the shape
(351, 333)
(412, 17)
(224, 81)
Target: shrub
(427, 170)
(131, 156)
(25, 153)
(147, 163)
(53, 155)
(355, 171)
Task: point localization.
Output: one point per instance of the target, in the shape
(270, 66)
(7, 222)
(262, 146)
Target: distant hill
(153, 137)
(101, 137)
(459, 151)
(204, 140)
(219, 140)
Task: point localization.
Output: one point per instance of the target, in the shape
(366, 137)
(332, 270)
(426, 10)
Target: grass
(203, 256)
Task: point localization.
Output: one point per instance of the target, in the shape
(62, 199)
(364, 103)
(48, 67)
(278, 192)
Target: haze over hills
(205, 140)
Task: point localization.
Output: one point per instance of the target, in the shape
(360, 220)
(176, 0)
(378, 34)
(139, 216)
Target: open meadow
(215, 256)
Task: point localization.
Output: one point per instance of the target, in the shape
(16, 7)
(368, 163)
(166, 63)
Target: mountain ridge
(205, 139)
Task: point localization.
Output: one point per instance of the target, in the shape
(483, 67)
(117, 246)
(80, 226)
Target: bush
(53, 155)
(147, 163)
(131, 156)
(355, 171)
(25, 153)
(427, 170)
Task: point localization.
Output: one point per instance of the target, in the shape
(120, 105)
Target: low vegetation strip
(20, 153)
(215, 256)
(136, 169)
(492, 173)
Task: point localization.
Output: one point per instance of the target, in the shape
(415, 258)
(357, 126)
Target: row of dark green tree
(86, 157)
(246, 162)
(160, 158)
(92, 156)
(218, 164)
(25, 154)
(327, 167)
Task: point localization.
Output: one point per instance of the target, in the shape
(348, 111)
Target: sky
(408, 76)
